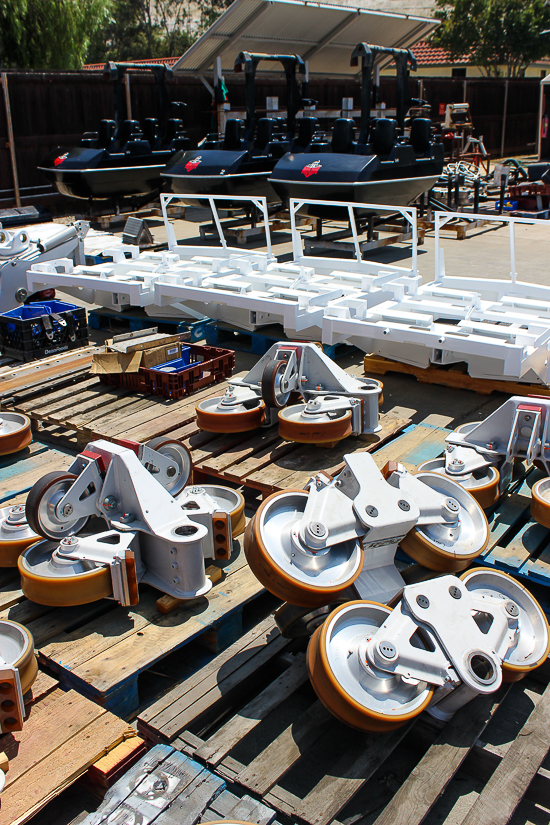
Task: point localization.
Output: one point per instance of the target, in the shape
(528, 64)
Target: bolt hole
(7, 705)
(482, 668)
(5, 687)
(186, 530)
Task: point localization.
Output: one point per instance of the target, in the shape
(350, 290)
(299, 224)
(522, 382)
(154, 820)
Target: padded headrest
(264, 133)
(105, 133)
(126, 129)
(342, 135)
(233, 131)
(421, 133)
(383, 135)
(138, 147)
(307, 126)
(150, 129)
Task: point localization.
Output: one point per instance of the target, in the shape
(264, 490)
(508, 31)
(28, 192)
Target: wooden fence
(53, 109)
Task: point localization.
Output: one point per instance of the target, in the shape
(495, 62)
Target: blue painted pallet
(168, 788)
(517, 544)
(105, 320)
(258, 342)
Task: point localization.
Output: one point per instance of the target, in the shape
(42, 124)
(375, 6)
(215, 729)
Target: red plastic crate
(209, 365)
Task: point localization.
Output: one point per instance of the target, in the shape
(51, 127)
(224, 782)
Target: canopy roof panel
(324, 35)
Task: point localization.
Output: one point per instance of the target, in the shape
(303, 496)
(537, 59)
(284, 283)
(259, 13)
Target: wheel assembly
(349, 686)
(446, 641)
(227, 500)
(51, 574)
(533, 645)
(179, 474)
(481, 455)
(300, 622)
(482, 483)
(449, 546)
(41, 508)
(18, 670)
(15, 535)
(309, 575)
(15, 432)
(230, 414)
(308, 546)
(336, 404)
(310, 424)
(540, 502)
(160, 531)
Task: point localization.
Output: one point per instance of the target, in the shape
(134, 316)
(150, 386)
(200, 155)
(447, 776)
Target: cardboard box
(137, 353)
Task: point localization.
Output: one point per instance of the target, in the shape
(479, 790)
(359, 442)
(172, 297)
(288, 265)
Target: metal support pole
(11, 142)
(504, 119)
(502, 191)
(477, 186)
(128, 96)
(539, 119)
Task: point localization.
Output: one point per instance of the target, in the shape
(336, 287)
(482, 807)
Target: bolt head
(455, 592)
(67, 510)
(171, 472)
(422, 601)
(404, 505)
(452, 505)
(371, 511)
(512, 609)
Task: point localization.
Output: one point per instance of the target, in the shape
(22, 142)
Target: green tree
(141, 29)
(48, 34)
(494, 33)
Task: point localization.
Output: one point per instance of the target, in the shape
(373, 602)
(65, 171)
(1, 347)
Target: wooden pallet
(220, 334)
(169, 788)
(453, 376)
(459, 226)
(100, 649)
(77, 413)
(63, 735)
(137, 319)
(286, 749)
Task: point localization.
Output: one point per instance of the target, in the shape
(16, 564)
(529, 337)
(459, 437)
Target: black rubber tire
(269, 377)
(35, 497)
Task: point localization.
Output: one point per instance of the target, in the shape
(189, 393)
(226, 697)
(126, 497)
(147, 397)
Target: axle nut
(171, 472)
(67, 510)
(512, 609)
(387, 650)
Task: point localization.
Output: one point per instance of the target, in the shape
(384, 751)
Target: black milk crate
(38, 330)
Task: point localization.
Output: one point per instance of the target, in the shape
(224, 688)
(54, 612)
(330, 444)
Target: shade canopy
(322, 34)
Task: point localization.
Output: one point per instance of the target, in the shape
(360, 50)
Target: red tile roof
(428, 55)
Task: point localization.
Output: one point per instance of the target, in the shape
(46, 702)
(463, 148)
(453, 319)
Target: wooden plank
(188, 806)
(221, 743)
(103, 659)
(185, 702)
(131, 781)
(63, 736)
(435, 770)
(46, 369)
(506, 787)
(34, 402)
(347, 776)
(294, 470)
(273, 762)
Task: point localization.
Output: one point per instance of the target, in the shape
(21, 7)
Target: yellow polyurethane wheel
(514, 671)
(61, 591)
(540, 502)
(336, 698)
(277, 580)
